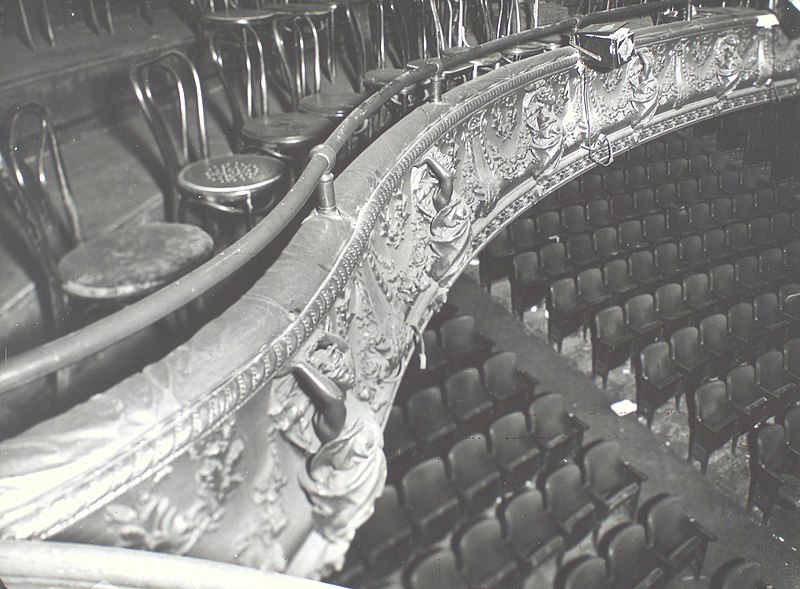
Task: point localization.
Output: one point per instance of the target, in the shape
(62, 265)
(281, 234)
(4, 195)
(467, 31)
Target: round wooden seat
(133, 262)
(524, 50)
(261, 15)
(286, 129)
(457, 70)
(335, 105)
(230, 176)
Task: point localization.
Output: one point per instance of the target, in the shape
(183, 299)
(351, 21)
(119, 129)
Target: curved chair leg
(26, 27)
(51, 36)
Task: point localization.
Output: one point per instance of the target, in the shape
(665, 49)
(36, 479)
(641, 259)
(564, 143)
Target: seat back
(740, 318)
(644, 200)
(563, 294)
(771, 448)
(436, 569)
(655, 226)
(690, 249)
(297, 42)
(667, 525)
(625, 557)
(669, 298)
(526, 268)
(759, 229)
(655, 361)
(523, 234)
(640, 310)
(547, 415)
(714, 242)
(791, 426)
(458, 334)
(609, 323)
(741, 385)
(597, 212)
(699, 214)
(500, 245)
(667, 259)
(579, 248)
(770, 262)
(791, 254)
(711, 400)
(744, 575)
(553, 257)
(238, 55)
(630, 233)
(548, 224)
(564, 491)
(605, 241)
(573, 219)
(589, 573)
(712, 330)
(722, 210)
(667, 195)
(769, 370)
(765, 308)
(602, 467)
(695, 289)
(737, 236)
(500, 372)
(469, 457)
(791, 357)
(746, 270)
(170, 94)
(615, 274)
(507, 434)
(721, 278)
(641, 264)
(36, 185)
(425, 486)
(464, 383)
(684, 344)
(590, 283)
(743, 207)
(480, 549)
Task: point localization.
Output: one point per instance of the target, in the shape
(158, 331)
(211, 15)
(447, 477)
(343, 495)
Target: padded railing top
(71, 349)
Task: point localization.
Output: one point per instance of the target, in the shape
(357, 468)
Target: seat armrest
(701, 530)
(635, 472)
(578, 422)
(756, 404)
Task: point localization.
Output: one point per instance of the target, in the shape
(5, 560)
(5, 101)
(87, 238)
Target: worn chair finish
(529, 529)
(613, 483)
(112, 269)
(612, 344)
(770, 483)
(514, 449)
(718, 343)
(473, 473)
(468, 400)
(629, 560)
(679, 541)
(496, 260)
(657, 380)
(567, 313)
(239, 56)
(429, 499)
(712, 423)
(509, 386)
(244, 184)
(484, 559)
(569, 503)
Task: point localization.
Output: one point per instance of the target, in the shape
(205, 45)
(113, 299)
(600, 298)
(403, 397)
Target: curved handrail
(60, 353)
(35, 563)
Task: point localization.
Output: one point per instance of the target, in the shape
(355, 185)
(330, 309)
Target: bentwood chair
(115, 268)
(297, 41)
(238, 54)
(170, 94)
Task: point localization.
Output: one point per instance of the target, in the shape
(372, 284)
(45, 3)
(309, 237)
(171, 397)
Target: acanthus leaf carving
(155, 523)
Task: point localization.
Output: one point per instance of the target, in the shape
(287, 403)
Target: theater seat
(657, 380)
(473, 473)
(509, 386)
(558, 432)
(468, 400)
(529, 529)
(386, 540)
(484, 559)
(513, 449)
(631, 564)
(614, 484)
(429, 499)
(612, 344)
(712, 424)
(569, 503)
(434, 570)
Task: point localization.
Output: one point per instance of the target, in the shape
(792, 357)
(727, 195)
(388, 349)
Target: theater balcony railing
(258, 442)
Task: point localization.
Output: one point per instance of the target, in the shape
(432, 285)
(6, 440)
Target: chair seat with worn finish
(285, 129)
(335, 105)
(133, 262)
(226, 178)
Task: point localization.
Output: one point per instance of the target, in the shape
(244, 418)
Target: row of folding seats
(652, 210)
(668, 369)
(696, 248)
(749, 395)
(528, 527)
(573, 303)
(658, 546)
(620, 332)
(775, 465)
(431, 418)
